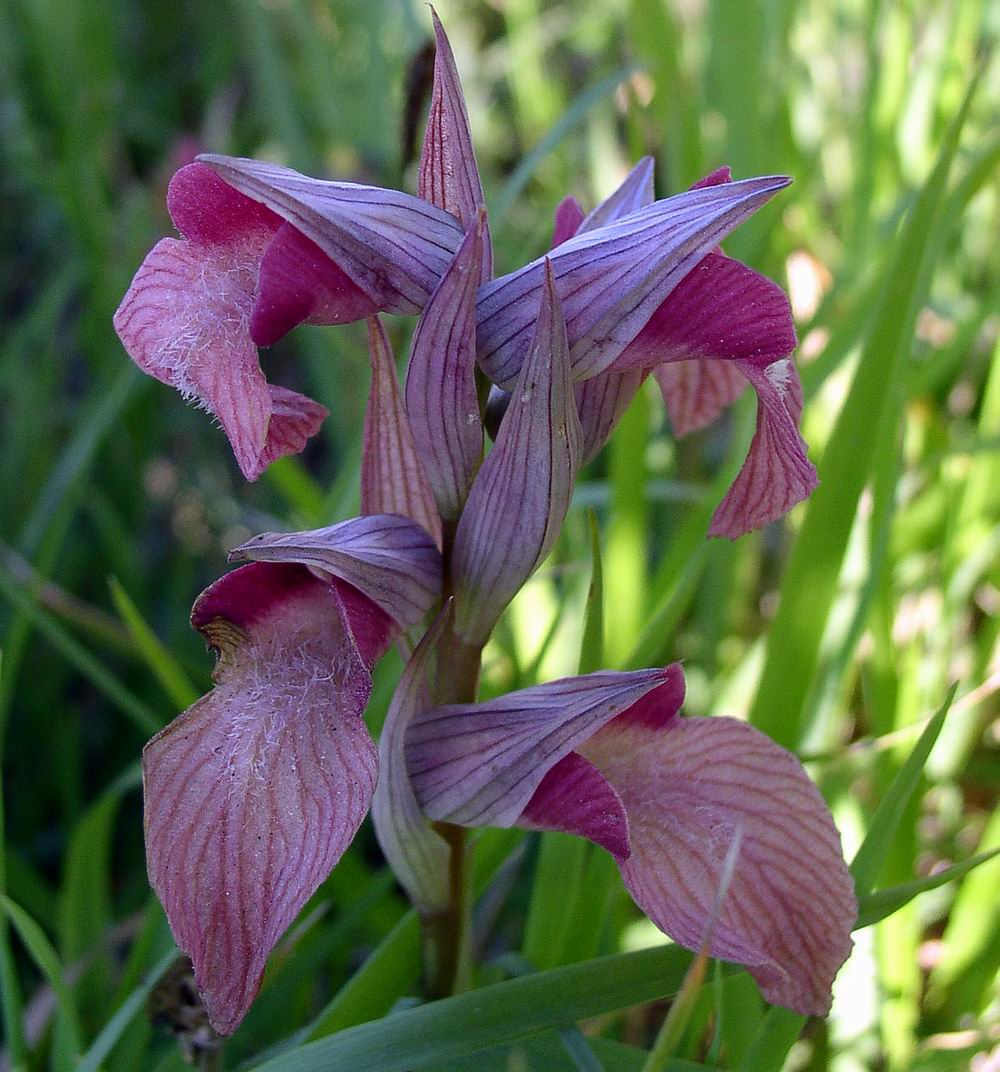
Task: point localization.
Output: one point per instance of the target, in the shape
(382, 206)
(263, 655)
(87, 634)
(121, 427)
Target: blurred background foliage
(838, 631)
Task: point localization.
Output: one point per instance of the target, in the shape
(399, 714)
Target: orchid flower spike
(253, 794)
(263, 249)
(607, 756)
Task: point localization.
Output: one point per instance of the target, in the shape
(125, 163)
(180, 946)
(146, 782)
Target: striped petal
(568, 218)
(696, 392)
(777, 472)
(449, 175)
(520, 497)
(254, 793)
(612, 279)
(635, 193)
(393, 480)
(482, 763)
(441, 400)
(721, 309)
(417, 854)
(393, 246)
(186, 319)
(688, 786)
(389, 559)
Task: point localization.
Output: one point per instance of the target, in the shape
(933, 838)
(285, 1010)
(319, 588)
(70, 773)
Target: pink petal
(721, 309)
(575, 798)
(254, 793)
(185, 320)
(393, 246)
(519, 500)
(481, 763)
(208, 211)
(299, 283)
(393, 480)
(389, 559)
(417, 854)
(449, 175)
(715, 178)
(569, 216)
(777, 473)
(696, 392)
(612, 279)
(687, 788)
(441, 400)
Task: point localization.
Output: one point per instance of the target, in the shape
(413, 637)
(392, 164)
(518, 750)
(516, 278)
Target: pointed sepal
(522, 492)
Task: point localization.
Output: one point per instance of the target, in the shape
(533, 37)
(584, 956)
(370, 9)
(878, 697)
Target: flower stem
(448, 936)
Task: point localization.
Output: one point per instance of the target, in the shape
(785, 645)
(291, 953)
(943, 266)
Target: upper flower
(262, 251)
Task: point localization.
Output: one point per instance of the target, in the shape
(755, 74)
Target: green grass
(839, 631)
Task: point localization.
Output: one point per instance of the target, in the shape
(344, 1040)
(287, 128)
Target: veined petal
(687, 787)
(601, 402)
(393, 480)
(696, 392)
(388, 558)
(777, 473)
(520, 497)
(635, 192)
(569, 216)
(441, 400)
(393, 246)
(614, 278)
(254, 793)
(482, 763)
(449, 175)
(417, 854)
(186, 319)
(720, 309)
(575, 798)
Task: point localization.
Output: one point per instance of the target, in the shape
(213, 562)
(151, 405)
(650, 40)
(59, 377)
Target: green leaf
(175, 682)
(869, 859)
(776, 1035)
(876, 906)
(47, 961)
(115, 1027)
(592, 644)
(493, 1015)
(874, 398)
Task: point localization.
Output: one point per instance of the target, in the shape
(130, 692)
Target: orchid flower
(263, 249)
(607, 756)
(254, 792)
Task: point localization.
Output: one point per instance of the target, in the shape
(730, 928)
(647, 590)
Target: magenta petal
(449, 175)
(522, 492)
(393, 480)
(417, 854)
(298, 282)
(441, 400)
(481, 763)
(393, 246)
(569, 216)
(777, 473)
(715, 178)
(295, 419)
(612, 279)
(575, 798)
(635, 192)
(209, 211)
(721, 309)
(388, 558)
(696, 392)
(686, 789)
(254, 793)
